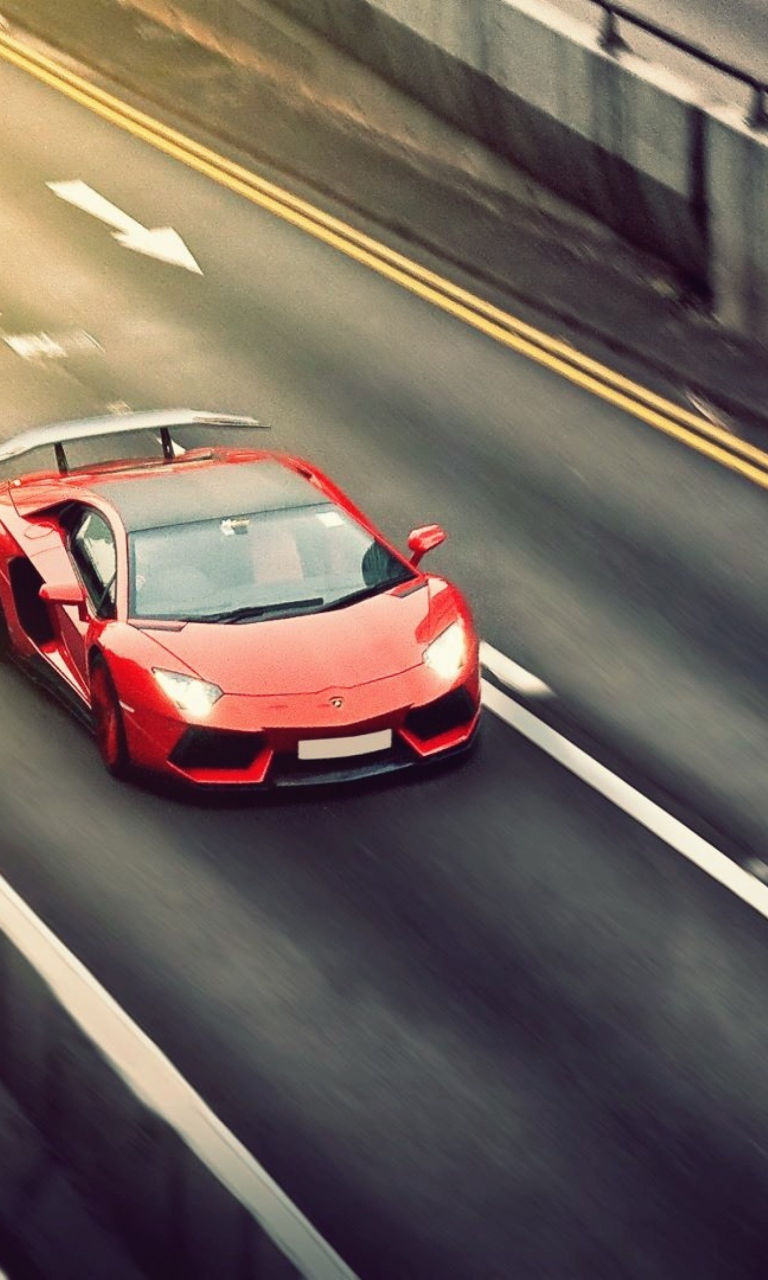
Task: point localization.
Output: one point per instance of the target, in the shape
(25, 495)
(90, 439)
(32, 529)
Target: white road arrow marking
(156, 242)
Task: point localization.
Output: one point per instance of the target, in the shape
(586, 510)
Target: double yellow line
(662, 414)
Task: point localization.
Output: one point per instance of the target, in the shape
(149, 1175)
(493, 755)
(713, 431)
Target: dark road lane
(481, 1024)
(475, 1023)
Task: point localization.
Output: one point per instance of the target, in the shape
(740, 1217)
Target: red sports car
(222, 613)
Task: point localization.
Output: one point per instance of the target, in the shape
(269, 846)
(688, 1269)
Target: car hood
(370, 640)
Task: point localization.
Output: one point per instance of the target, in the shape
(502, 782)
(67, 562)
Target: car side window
(93, 549)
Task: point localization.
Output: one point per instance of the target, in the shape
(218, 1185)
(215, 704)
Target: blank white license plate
(332, 748)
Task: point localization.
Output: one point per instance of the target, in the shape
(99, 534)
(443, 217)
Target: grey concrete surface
(734, 30)
(738, 165)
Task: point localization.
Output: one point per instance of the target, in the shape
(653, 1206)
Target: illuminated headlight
(194, 697)
(447, 654)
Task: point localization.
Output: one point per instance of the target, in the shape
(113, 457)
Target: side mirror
(70, 593)
(424, 539)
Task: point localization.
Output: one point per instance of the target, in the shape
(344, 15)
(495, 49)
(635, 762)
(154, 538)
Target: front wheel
(108, 720)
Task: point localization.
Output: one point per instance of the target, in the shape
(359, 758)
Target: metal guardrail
(611, 40)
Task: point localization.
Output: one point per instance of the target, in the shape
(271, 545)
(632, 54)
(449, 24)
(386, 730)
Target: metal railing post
(609, 38)
(757, 116)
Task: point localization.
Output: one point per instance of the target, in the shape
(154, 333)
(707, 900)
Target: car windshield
(265, 564)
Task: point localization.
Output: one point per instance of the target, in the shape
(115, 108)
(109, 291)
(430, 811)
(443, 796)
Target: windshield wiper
(250, 611)
(364, 592)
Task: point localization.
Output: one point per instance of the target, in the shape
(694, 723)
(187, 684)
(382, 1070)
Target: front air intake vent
(216, 749)
(449, 712)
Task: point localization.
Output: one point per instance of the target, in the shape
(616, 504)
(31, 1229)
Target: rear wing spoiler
(168, 426)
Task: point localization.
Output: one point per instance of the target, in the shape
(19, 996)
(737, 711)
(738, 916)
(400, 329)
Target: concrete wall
(140, 1148)
(618, 137)
(737, 164)
(622, 139)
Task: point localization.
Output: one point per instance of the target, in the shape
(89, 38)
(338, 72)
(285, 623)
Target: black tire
(108, 721)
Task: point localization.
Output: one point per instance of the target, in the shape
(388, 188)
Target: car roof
(209, 489)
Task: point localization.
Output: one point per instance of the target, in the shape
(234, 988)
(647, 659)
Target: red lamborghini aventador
(222, 613)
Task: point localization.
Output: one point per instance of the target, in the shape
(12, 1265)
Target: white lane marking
(713, 415)
(52, 346)
(34, 346)
(631, 801)
(157, 1083)
(156, 242)
(511, 674)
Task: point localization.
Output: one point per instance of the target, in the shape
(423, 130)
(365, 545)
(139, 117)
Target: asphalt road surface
(481, 1024)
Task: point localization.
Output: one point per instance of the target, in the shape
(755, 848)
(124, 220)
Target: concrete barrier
(161, 1173)
(737, 164)
(620, 138)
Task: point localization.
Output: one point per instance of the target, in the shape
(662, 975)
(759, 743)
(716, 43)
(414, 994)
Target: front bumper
(238, 747)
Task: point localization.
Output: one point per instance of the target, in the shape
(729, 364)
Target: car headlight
(447, 654)
(192, 696)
